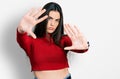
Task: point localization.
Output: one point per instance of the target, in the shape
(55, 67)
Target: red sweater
(45, 54)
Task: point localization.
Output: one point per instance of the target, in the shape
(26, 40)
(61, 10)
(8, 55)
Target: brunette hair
(40, 28)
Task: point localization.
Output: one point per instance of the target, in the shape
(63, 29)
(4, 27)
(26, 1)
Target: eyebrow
(52, 18)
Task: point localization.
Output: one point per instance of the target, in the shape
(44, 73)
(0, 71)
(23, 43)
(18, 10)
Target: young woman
(47, 46)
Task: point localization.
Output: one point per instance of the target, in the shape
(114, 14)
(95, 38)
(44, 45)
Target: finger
(69, 31)
(68, 48)
(77, 34)
(77, 29)
(42, 19)
(81, 36)
(37, 11)
(40, 12)
(32, 34)
(32, 12)
(74, 29)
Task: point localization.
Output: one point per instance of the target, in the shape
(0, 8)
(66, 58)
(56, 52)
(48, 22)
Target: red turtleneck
(45, 54)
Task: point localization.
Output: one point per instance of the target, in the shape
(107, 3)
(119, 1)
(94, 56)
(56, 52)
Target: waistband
(68, 76)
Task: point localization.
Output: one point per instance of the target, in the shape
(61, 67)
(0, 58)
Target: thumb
(32, 34)
(67, 48)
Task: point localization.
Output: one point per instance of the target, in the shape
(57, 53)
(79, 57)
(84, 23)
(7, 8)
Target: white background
(99, 20)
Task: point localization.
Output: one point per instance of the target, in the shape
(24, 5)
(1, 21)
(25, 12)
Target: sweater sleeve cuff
(80, 51)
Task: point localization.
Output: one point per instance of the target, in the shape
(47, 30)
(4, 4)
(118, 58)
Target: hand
(78, 40)
(30, 20)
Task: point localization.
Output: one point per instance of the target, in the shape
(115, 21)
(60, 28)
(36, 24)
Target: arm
(25, 28)
(75, 39)
(24, 42)
(68, 43)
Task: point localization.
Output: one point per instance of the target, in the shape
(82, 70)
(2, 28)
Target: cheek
(56, 25)
(48, 23)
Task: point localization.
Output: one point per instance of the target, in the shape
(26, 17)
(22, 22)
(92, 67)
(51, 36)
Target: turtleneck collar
(49, 37)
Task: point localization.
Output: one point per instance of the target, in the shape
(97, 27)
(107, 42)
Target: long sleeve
(67, 42)
(24, 41)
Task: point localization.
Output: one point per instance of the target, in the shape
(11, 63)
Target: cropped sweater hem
(43, 68)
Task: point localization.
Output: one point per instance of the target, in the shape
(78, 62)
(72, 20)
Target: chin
(50, 31)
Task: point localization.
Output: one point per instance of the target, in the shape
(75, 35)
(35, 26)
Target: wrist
(20, 29)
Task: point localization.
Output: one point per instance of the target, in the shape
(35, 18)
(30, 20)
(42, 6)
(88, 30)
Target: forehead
(54, 14)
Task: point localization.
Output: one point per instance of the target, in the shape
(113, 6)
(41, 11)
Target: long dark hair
(40, 28)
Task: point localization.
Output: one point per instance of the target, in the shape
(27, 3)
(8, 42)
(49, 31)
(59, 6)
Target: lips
(51, 28)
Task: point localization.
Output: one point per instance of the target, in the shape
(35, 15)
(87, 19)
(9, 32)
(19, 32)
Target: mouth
(50, 28)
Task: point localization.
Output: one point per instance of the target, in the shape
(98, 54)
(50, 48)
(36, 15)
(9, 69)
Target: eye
(49, 18)
(57, 20)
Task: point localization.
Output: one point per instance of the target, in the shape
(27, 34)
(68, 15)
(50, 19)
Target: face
(53, 21)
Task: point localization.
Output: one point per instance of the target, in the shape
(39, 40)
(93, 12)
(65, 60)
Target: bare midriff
(52, 74)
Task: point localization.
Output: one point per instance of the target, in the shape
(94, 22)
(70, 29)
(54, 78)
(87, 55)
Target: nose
(52, 22)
